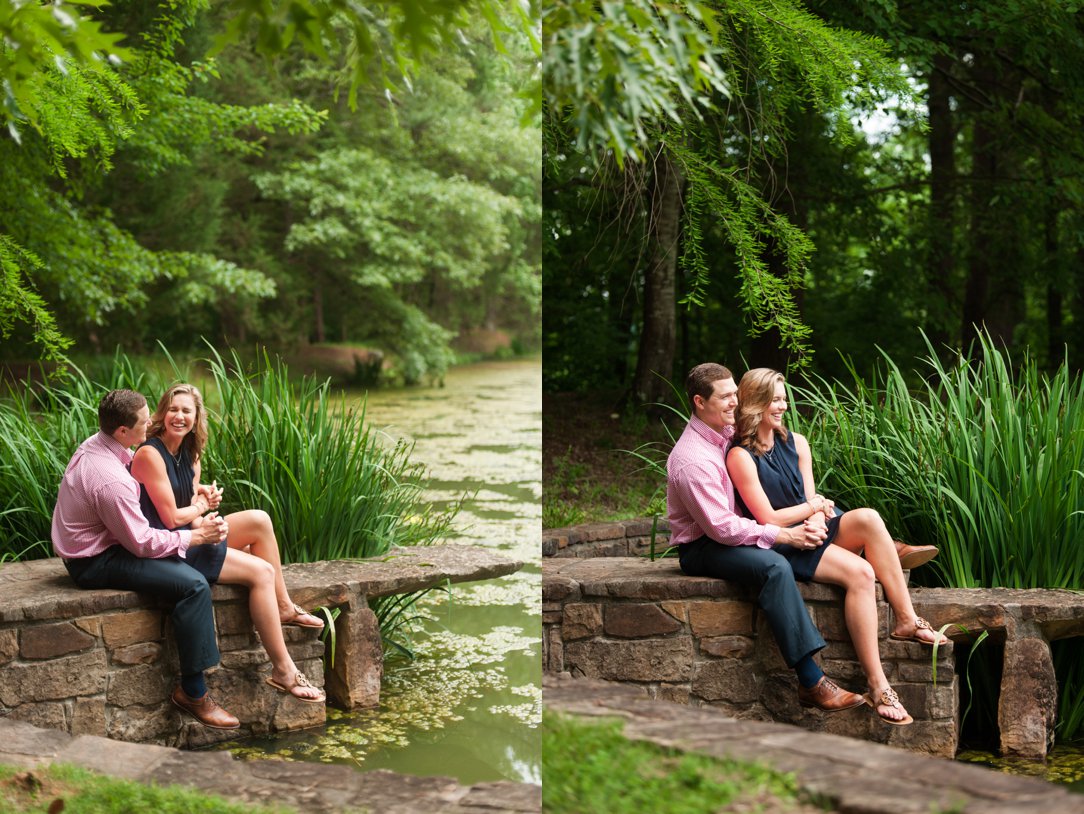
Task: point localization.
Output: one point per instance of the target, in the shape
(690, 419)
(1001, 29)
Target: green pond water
(469, 706)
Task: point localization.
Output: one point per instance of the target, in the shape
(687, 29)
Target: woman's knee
(869, 519)
(860, 576)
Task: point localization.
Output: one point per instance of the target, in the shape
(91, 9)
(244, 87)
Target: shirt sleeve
(118, 507)
(706, 500)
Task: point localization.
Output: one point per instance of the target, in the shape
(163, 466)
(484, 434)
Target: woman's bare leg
(258, 576)
(864, 530)
(841, 567)
(253, 530)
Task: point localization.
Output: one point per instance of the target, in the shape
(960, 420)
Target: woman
(167, 466)
(772, 472)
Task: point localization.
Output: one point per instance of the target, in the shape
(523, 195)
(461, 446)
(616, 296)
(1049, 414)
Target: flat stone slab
(307, 787)
(35, 590)
(856, 776)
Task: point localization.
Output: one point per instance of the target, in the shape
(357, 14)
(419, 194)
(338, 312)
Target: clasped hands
(208, 528)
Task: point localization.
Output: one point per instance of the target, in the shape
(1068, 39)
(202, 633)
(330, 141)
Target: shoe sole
(915, 559)
(200, 721)
(811, 705)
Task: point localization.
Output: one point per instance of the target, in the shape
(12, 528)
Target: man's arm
(702, 494)
(117, 504)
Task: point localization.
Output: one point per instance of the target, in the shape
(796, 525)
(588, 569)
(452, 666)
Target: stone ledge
(856, 776)
(308, 787)
(103, 662)
(35, 590)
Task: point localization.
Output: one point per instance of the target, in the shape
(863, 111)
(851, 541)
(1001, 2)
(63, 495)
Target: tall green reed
(334, 487)
(981, 459)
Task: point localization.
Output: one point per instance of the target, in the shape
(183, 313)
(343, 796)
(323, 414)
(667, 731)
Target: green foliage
(592, 767)
(20, 303)
(334, 487)
(130, 180)
(615, 69)
(982, 460)
(80, 791)
(43, 39)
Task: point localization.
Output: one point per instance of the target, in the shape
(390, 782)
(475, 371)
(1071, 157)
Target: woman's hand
(212, 494)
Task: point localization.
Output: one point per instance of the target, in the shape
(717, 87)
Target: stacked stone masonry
(104, 662)
(609, 612)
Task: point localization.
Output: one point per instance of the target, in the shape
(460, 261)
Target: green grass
(83, 792)
(591, 768)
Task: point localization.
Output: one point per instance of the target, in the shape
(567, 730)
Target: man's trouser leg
(771, 574)
(169, 579)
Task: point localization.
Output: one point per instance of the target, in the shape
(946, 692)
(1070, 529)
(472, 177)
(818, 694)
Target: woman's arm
(149, 469)
(743, 472)
(805, 467)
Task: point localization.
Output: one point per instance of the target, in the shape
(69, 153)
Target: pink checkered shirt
(699, 494)
(98, 506)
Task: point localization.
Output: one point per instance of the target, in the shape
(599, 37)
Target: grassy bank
(77, 791)
(593, 767)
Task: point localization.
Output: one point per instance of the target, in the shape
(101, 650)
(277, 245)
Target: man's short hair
(702, 378)
(119, 408)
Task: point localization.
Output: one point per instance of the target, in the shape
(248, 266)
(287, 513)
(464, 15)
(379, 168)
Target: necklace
(177, 458)
(768, 452)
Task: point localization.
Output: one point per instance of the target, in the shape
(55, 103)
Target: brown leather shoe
(828, 696)
(912, 556)
(204, 710)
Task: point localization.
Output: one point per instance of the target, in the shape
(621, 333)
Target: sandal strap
(301, 681)
(889, 697)
(922, 624)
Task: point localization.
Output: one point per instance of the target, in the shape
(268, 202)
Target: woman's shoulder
(143, 450)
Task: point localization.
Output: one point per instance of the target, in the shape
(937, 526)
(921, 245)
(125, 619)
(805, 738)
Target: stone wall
(622, 538)
(104, 662)
(611, 613)
(703, 641)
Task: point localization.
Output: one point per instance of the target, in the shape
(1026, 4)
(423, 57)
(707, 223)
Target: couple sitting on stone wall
(147, 524)
(776, 529)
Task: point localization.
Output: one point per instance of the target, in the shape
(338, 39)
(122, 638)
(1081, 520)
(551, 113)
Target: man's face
(717, 410)
(136, 434)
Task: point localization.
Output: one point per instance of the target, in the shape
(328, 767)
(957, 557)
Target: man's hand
(804, 537)
(213, 529)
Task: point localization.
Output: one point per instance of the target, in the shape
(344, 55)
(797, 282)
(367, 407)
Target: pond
(469, 705)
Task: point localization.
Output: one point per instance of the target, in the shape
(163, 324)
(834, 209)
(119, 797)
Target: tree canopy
(872, 173)
(208, 166)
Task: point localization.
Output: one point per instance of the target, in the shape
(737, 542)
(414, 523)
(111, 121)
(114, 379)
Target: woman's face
(180, 417)
(773, 413)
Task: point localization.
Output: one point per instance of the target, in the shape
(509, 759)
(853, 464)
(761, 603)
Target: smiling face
(180, 418)
(717, 410)
(772, 418)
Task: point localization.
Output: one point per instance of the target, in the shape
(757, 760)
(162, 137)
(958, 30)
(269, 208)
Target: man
(714, 541)
(106, 542)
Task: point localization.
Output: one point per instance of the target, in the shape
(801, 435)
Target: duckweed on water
(1064, 764)
(503, 592)
(419, 699)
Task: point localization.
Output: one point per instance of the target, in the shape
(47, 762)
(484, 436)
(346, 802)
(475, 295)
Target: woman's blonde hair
(196, 440)
(755, 393)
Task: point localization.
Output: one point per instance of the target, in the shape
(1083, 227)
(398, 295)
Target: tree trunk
(655, 360)
(318, 312)
(942, 231)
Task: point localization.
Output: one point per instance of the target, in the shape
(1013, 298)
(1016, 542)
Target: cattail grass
(334, 487)
(982, 460)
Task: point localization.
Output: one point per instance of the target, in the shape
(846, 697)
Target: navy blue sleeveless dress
(784, 486)
(208, 558)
